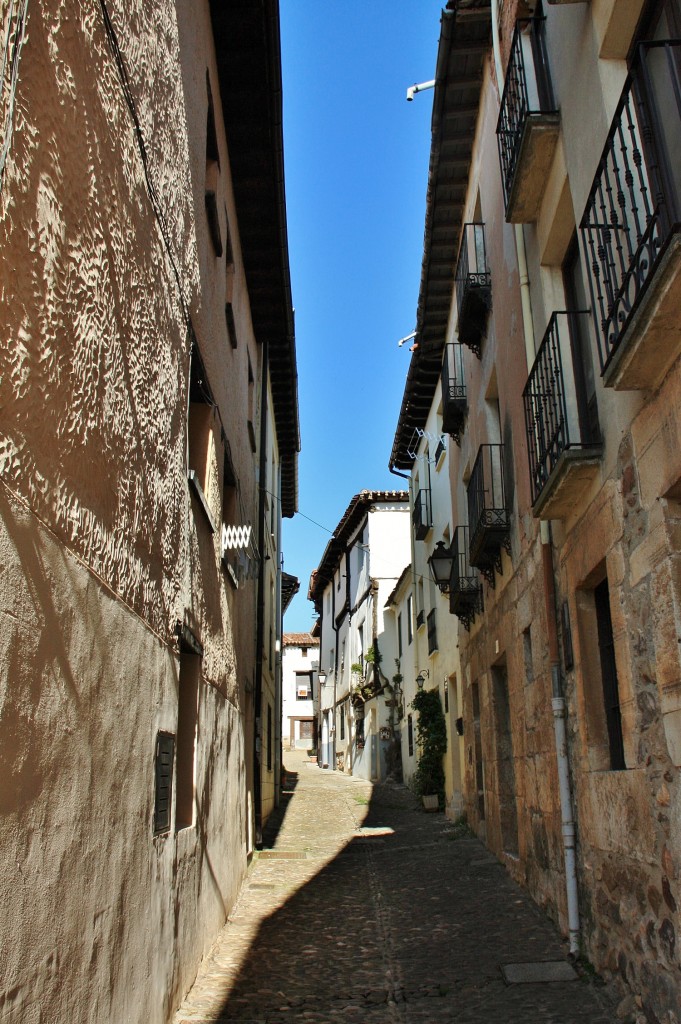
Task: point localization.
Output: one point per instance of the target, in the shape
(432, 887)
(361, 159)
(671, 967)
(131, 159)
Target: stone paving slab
(383, 914)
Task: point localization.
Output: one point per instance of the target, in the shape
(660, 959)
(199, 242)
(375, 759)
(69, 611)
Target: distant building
(300, 662)
(349, 588)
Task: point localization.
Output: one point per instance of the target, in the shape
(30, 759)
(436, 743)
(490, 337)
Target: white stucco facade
(358, 571)
(300, 663)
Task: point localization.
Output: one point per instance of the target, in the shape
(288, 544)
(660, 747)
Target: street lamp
(441, 562)
(421, 677)
(321, 676)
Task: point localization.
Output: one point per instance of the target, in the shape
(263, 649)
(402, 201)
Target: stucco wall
(103, 548)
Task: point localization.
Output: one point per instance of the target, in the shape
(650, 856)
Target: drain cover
(543, 971)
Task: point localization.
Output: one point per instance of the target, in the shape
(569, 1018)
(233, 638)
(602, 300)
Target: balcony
(454, 403)
(630, 228)
(465, 591)
(564, 454)
(421, 516)
(488, 517)
(473, 287)
(528, 126)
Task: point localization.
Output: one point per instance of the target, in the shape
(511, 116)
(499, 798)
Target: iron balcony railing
(465, 591)
(633, 206)
(473, 287)
(454, 403)
(432, 631)
(421, 516)
(488, 517)
(527, 91)
(556, 413)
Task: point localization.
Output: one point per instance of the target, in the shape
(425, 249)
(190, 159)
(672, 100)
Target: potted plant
(431, 735)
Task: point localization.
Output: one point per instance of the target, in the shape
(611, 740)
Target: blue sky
(356, 164)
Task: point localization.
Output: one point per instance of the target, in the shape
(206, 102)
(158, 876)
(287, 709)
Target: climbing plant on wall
(431, 736)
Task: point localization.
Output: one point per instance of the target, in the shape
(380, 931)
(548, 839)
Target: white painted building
(435, 650)
(300, 662)
(357, 572)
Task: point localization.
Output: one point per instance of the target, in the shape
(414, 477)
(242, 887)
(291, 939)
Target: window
(187, 718)
(251, 405)
(399, 635)
(410, 619)
(212, 174)
(359, 731)
(303, 652)
(202, 456)
(163, 770)
(269, 737)
(432, 632)
(410, 735)
(342, 722)
(576, 299)
(611, 697)
(303, 685)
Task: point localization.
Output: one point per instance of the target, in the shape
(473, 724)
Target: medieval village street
(363, 908)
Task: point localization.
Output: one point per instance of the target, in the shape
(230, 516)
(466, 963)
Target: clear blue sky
(356, 164)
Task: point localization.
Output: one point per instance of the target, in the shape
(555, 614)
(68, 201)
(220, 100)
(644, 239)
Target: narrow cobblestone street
(364, 908)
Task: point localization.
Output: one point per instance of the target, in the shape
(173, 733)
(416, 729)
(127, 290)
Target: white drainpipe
(558, 700)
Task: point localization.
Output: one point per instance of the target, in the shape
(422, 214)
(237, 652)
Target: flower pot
(431, 801)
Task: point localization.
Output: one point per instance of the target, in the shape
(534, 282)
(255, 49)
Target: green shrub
(431, 736)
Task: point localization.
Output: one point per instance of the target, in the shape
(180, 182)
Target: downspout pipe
(558, 698)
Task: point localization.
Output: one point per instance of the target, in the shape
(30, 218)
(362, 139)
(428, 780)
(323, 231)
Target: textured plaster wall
(102, 548)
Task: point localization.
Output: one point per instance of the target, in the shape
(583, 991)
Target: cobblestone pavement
(365, 909)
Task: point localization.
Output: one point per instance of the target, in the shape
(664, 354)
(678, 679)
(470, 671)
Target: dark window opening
(201, 447)
(269, 737)
(212, 173)
(611, 698)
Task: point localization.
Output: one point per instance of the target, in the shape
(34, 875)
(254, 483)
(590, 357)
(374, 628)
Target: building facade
(300, 664)
(147, 411)
(548, 308)
(349, 589)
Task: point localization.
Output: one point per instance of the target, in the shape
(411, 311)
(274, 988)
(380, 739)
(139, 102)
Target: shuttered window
(163, 801)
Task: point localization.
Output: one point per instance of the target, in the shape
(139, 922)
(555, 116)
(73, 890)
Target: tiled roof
(300, 640)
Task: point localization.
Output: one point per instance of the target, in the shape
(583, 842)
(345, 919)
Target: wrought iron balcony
(454, 403)
(421, 516)
(488, 517)
(528, 126)
(630, 229)
(564, 453)
(473, 287)
(432, 631)
(465, 591)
